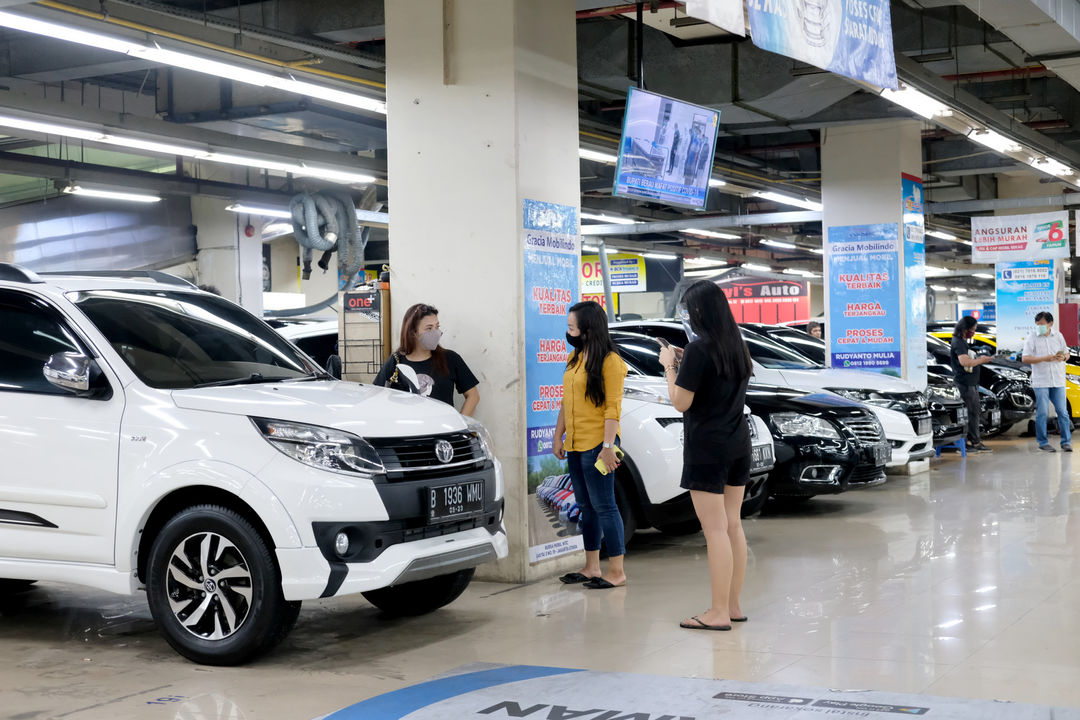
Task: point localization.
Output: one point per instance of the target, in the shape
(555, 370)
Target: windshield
(800, 342)
(641, 354)
(772, 355)
(177, 340)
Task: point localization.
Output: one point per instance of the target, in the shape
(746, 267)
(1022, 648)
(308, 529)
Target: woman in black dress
(707, 383)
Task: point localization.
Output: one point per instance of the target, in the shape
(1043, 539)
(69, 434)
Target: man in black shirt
(966, 375)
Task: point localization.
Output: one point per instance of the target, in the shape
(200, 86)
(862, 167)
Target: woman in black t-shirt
(439, 370)
(710, 390)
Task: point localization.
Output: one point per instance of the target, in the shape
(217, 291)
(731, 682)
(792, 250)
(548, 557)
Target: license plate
(450, 501)
(761, 458)
(995, 417)
(882, 454)
(925, 426)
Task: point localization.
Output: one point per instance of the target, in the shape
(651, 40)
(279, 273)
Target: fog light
(822, 474)
(341, 544)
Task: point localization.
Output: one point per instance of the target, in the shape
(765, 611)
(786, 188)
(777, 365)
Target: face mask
(1042, 329)
(430, 339)
(575, 341)
(684, 316)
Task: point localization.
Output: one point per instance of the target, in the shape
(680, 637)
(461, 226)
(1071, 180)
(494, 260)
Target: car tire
(421, 596)
(203, 618)
(626, 511)
(686, 527)
(755, 497)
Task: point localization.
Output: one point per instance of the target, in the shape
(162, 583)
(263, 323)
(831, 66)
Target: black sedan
(1011, 387)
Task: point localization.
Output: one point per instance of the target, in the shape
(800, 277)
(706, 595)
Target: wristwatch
(608, 446)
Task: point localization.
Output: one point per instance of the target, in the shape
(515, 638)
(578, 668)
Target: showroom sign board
(863, 264)
(1009, 238)
(914, 222)
(627, 274)
(550, 237)
(766, 300)
(1024, 289)
(850, 37)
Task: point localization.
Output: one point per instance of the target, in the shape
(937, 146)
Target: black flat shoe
(601, 584)
(574, 578)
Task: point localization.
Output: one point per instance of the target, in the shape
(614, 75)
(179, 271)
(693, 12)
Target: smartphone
(602, 466)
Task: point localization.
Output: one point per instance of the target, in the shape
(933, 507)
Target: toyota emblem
(444, 451)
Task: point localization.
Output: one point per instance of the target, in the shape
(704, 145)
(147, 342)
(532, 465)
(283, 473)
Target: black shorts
(712, 477)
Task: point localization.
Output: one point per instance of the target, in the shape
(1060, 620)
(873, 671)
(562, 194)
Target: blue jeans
(595, 495)
(1043, 398)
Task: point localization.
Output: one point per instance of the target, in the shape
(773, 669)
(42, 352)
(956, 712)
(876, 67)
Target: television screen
(667, 149)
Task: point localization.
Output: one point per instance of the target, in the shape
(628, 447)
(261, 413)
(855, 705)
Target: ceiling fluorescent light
(187, 61)
(711, 234)
(614, 219)
(1050, 166)
(941, 235)
(789, 200)
(817, 251)
(49, 128)
(938, 288)
(111, 195)
(257, 210)
(661, 256)
(340, 176)
(717, 182)
(983, 276)
(590, 248)
(757, 268)
(704, 273)
(803, 273)
(778, 244)
(994, 140)
(597, 156)
(958, 290)
(917, 102)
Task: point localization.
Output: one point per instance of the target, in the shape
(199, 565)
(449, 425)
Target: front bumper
(823, 467)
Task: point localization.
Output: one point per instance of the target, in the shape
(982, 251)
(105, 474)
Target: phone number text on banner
(864, 303)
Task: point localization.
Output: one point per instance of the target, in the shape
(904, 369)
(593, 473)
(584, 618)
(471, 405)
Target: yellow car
(988, 342)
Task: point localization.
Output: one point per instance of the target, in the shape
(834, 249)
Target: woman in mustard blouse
(592, 404)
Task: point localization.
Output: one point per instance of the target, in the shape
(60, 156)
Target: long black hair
(592, 324)
(964, 325)
(711, 319)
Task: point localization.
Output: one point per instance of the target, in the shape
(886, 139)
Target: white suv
(157, 437)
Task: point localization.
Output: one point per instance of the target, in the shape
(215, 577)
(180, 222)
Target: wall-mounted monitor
(667, 150)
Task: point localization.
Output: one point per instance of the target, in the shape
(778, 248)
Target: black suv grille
(415, 458)
(866, 428)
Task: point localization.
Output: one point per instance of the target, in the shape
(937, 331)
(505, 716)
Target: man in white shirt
(1045, 352)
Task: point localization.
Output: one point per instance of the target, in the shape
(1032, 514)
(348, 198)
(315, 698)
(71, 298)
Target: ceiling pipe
(991, 75)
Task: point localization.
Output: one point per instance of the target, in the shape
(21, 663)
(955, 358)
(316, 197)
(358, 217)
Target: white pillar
(483, 114)
(863, 185)
(229, 254)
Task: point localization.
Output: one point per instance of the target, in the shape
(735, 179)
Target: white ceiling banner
(1010, 238)
(724, 14)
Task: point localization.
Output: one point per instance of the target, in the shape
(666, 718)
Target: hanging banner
(1006, 238)
(848, 37)
(627, 274)
(550, 235)
(1024, 289)
(763, 300)
(864, 304)
(724, 14)
(914, 281)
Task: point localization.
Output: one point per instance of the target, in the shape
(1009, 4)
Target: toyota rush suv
(159, 438)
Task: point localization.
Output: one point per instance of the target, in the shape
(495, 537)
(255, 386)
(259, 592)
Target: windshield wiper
(252, 379)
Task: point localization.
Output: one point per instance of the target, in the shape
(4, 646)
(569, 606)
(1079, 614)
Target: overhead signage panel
(848, 37)
(1007, 238)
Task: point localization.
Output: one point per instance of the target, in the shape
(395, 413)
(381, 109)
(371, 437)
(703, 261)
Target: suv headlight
(321, 447)
(803, 425)
(1073, 379)
(867, 397)
(646, 396)
(487, 444)
(1012, 373)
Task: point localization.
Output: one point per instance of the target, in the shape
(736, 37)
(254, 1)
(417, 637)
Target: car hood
(764, 399)
(839, 378)
(364, 410)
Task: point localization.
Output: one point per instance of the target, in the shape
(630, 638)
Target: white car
(318, 338)
(159, 438)
(902, 410)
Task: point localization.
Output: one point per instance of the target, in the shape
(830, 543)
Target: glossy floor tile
(964, 582)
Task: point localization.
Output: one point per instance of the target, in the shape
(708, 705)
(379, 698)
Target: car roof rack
(155, 275)
(15, 273)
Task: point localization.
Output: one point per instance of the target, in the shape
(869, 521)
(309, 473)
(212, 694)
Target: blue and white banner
(863, 262)
(550, 235)
(724, 14)
(914, 281)
(1024, 289)
(848, 37)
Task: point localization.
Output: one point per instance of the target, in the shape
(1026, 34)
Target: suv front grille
(865, 428)
(414, 458)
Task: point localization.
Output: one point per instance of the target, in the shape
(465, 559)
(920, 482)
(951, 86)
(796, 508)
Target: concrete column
(863, 167)
(229, 258)
(482, 105)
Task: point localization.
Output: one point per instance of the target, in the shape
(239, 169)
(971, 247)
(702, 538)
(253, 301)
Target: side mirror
(76, 373)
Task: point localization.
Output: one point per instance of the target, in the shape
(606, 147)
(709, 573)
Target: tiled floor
(961, 582)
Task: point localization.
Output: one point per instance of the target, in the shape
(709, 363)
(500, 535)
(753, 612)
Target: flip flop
(742, 619)
(574, 578)
(699, 624)
(601, 584)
